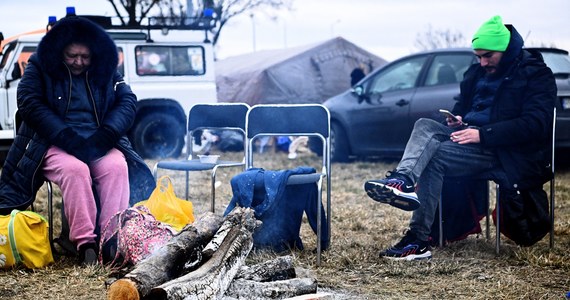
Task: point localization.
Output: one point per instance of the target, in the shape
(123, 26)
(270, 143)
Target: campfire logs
(184, 269)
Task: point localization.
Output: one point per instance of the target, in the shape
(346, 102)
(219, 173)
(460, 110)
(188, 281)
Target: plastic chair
(312, 120)
(212, 116)
(492, 177)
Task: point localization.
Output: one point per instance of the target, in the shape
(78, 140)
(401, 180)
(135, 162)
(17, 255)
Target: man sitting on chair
(503, 126)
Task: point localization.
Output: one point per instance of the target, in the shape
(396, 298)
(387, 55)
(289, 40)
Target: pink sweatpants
(110, 176)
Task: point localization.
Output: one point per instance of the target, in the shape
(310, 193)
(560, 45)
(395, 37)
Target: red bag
(136, 234)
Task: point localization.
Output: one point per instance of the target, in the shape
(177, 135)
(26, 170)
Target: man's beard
(491, 70)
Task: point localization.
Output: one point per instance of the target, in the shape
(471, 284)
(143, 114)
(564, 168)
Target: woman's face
(77, 57)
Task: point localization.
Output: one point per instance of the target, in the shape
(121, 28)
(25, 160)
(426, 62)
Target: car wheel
(158, 135)
(339, 144)
(316, 145)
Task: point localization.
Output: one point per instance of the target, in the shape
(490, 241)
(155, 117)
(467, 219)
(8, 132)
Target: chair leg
(488, 211)
(498, 211)
(50, 212)
(329, 216)
(440, 208)
(187, 184)
(552, 213)
(319, 225)
(213, 202)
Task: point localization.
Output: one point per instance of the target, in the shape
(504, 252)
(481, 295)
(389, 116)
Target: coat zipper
(92, 98)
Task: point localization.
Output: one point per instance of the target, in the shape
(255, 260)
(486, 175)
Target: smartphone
(446, 113)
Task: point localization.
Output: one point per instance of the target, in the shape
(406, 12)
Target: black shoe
(88, 254)
(408, 248)
(396, 189)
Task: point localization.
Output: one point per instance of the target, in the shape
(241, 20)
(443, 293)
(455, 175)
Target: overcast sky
(387, 28)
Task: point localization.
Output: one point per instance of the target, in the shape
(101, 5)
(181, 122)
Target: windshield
(558, 62)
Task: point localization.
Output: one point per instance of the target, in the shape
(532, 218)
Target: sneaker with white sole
(396, 189)
(409, 248)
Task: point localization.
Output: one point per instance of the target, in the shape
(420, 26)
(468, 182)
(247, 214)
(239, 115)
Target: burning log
(167, 262)
(213, 278)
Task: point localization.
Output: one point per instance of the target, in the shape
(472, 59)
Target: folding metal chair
(498, 208)
(312, 120)
(211, 116)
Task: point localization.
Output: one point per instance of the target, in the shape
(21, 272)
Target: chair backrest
(291, 120)
(216, 116)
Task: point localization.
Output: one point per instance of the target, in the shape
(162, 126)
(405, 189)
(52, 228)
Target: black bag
(524, 216)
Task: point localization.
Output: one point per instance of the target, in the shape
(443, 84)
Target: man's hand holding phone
(452, 120)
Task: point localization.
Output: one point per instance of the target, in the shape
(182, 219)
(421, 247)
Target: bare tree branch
(224, 10)
(434, 39)
(228, 9)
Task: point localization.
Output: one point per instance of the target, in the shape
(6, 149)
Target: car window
(557, 62)
(7, 55)
(448, 68)
(170, 60)
(22, 59)
(401, 75)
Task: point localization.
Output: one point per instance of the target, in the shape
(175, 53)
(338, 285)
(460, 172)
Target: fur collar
(104, 57)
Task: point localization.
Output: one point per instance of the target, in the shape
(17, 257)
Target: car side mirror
(358, 90)
(16, 72)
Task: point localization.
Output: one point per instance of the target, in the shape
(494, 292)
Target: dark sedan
(376, 116)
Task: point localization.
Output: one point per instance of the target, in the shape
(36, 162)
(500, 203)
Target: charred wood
(281, 289)
(280, 268)
(167, 262)
(232, 242)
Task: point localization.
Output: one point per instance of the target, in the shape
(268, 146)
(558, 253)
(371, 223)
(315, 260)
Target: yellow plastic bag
(24, 240)
(166, 207)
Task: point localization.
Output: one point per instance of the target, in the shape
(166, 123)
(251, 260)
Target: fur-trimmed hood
(104, 57)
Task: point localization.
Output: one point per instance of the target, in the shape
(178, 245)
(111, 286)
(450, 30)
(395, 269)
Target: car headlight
(565, 102)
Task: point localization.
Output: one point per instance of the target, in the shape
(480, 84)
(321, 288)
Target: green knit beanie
(492, 35)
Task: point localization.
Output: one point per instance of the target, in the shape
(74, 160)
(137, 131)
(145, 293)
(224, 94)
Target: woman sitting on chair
(76, 110)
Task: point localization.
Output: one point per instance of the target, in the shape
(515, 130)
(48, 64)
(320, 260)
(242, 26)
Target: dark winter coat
(520, 132)
(43, 98)
(520, 125)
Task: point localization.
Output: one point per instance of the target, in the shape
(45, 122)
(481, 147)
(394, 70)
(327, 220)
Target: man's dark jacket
(520, 132)
(521, 114)
(43, 98)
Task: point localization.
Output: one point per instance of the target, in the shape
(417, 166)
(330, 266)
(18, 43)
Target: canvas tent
(305, 74)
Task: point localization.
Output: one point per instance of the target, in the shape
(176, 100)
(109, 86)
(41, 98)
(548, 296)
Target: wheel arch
(342, 124)
(146, 106)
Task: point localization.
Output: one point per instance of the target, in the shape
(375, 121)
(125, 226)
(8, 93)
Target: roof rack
(160, 23)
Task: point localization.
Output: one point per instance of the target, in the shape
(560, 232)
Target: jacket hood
(513, 50)
(104, 57)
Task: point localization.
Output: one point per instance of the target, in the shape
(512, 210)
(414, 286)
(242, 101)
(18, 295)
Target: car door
(439, 86)
(377, 123)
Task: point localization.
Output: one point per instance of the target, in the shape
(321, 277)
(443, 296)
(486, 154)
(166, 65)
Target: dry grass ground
(360, 229)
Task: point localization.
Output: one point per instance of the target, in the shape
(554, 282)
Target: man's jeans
(429, 156)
